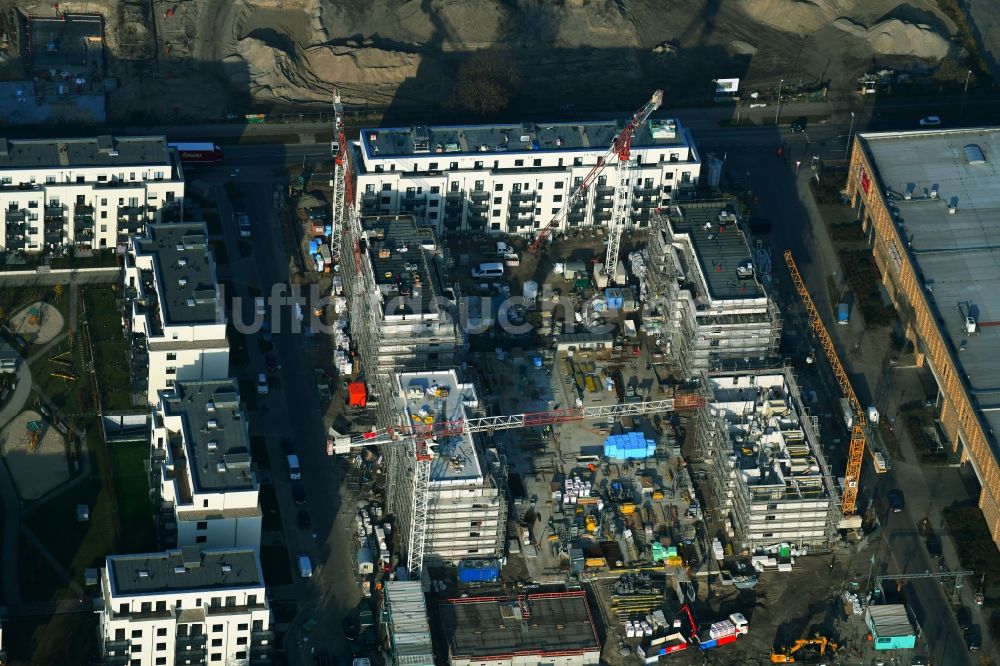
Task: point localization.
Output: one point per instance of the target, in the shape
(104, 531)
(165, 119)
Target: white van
(305, 566)
(294, 471)
(489, 270)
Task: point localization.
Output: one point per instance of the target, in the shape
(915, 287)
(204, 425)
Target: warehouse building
(711, 292)
(185, 606)
(85, 194)
(206, 491)
(926, 201)
(407, 625)
(555, 628)
(514, 178)
(466, 512)
(174, 319)
(766, 465)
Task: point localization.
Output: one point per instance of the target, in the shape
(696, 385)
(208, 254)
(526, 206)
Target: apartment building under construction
(711, 290)
(766, 467)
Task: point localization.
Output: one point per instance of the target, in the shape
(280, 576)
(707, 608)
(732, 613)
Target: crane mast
(621, 145)
(859, 426)
(342, 195)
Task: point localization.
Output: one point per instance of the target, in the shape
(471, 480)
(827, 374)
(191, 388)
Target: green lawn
(135, 509)
(104, 318)
(276, 564)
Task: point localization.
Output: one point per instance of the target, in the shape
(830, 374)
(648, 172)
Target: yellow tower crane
(859, 425)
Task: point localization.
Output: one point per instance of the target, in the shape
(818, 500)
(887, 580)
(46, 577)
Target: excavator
(786, 655)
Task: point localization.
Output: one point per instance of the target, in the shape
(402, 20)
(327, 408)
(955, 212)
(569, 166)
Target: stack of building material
(630, 445)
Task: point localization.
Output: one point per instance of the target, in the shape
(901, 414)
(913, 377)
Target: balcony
(602, 216)
(16, 215)
(455, 195)
(522, 196)
(479, 195)
(54, 213)
(131, 214)
(576, 217)
(452, 220)
(369, 203)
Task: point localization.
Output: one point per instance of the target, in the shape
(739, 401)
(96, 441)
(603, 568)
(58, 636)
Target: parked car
(973, 639)
(262, 387)
(933, 546)
(798, 125)
(244, 224)
(930, 121)
(304, 522)
(963, 617)
(298, 494)
(305, 566)
(895, 497)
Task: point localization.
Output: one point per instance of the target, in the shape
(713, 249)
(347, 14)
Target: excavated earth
(214, 57)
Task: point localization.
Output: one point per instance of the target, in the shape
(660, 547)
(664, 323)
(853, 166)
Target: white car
(244, 224)
(930, 121)
(262, 387)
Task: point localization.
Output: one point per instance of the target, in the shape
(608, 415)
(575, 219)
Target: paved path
(8, 493)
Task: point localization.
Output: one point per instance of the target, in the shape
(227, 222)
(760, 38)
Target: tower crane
(422, 439)
(620, 149)
(342, 195)
(859, 425)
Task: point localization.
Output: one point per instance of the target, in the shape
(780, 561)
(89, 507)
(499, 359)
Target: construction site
(630, 435)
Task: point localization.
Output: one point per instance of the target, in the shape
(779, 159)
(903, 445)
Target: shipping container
(478, 571)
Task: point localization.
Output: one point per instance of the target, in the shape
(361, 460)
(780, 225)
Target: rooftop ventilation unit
(179, 569)
(143, 574)
(974, 155)
(227, 568)
(213, 445)
(212, 424)
(182, 282)
(221, 467)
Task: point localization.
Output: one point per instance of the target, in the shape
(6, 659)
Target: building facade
(922, 198)
(200, 461)
(186, 606)
(173, 309)
(710, 290)
(766, 465)
(85, 194)
(515, 178)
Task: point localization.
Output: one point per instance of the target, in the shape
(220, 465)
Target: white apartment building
(514, 178)
(200, 463)
(466, 513)
(85, 193)
(766, 465)
(185, 606)
(173, 309)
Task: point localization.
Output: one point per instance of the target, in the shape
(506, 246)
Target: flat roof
(436, 397)
(185, 272)
(719, 245)
(493, 626)
(184, 569)
(101, 151)
(596, 135)
(409, 628)
(215, 436)
(956, 254)
(400, 265)
(890, 620)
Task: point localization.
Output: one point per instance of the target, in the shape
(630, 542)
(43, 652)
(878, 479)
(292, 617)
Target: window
(161, 661)
(559, 185)
(251, 600)
(79, 179)
(216, 628)
(497, 200)
(243, 626)
(433, 203)
(555, 210)
(242, 654)
(178, 603)
(541, 185)
(171, 370)
(231, 601)
(432, 215)
(32, 204)
(518, 163)
(131, 175)
(216, 642)
(498, 187)
(538, 211)
(161, 646)
(453, 187)
(217, 657)
(480, 185)
(577, 161)
(435, 189)
(668, 175)
(161, 605)
(147, 606)
(102, 179)
(433, 166)
(379, 168)
(123, 608)
(104, 228)
(200, 539)
(557, 198)
(496, 213)
(386, 187)
(50, 179)
(258, 625)
(137, 633)
(202, 525)
(495, 226)
(162, 631)
(104, 202)
(242, 640)
(478, 164)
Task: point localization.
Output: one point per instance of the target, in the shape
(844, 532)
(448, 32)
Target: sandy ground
(38, 472)
(38, 323)
(210, 58)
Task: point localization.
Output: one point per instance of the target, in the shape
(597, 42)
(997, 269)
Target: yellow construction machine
(786, 655)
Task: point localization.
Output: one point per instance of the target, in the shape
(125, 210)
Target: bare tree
(486, 83)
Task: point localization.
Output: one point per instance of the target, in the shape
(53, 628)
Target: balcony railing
(522, 196)
(479, 195)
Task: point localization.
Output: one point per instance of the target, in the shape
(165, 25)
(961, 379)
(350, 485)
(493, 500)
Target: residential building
(554, 628)
(174, 318)
(186, 606)
(85, 194)
(466, 512)
(206, 489)
(514, 178)
(925, 200)
(710, 290)
(407, 625)
(766, 466)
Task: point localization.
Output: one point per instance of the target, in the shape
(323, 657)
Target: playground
(35, 453)
(37, 323)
